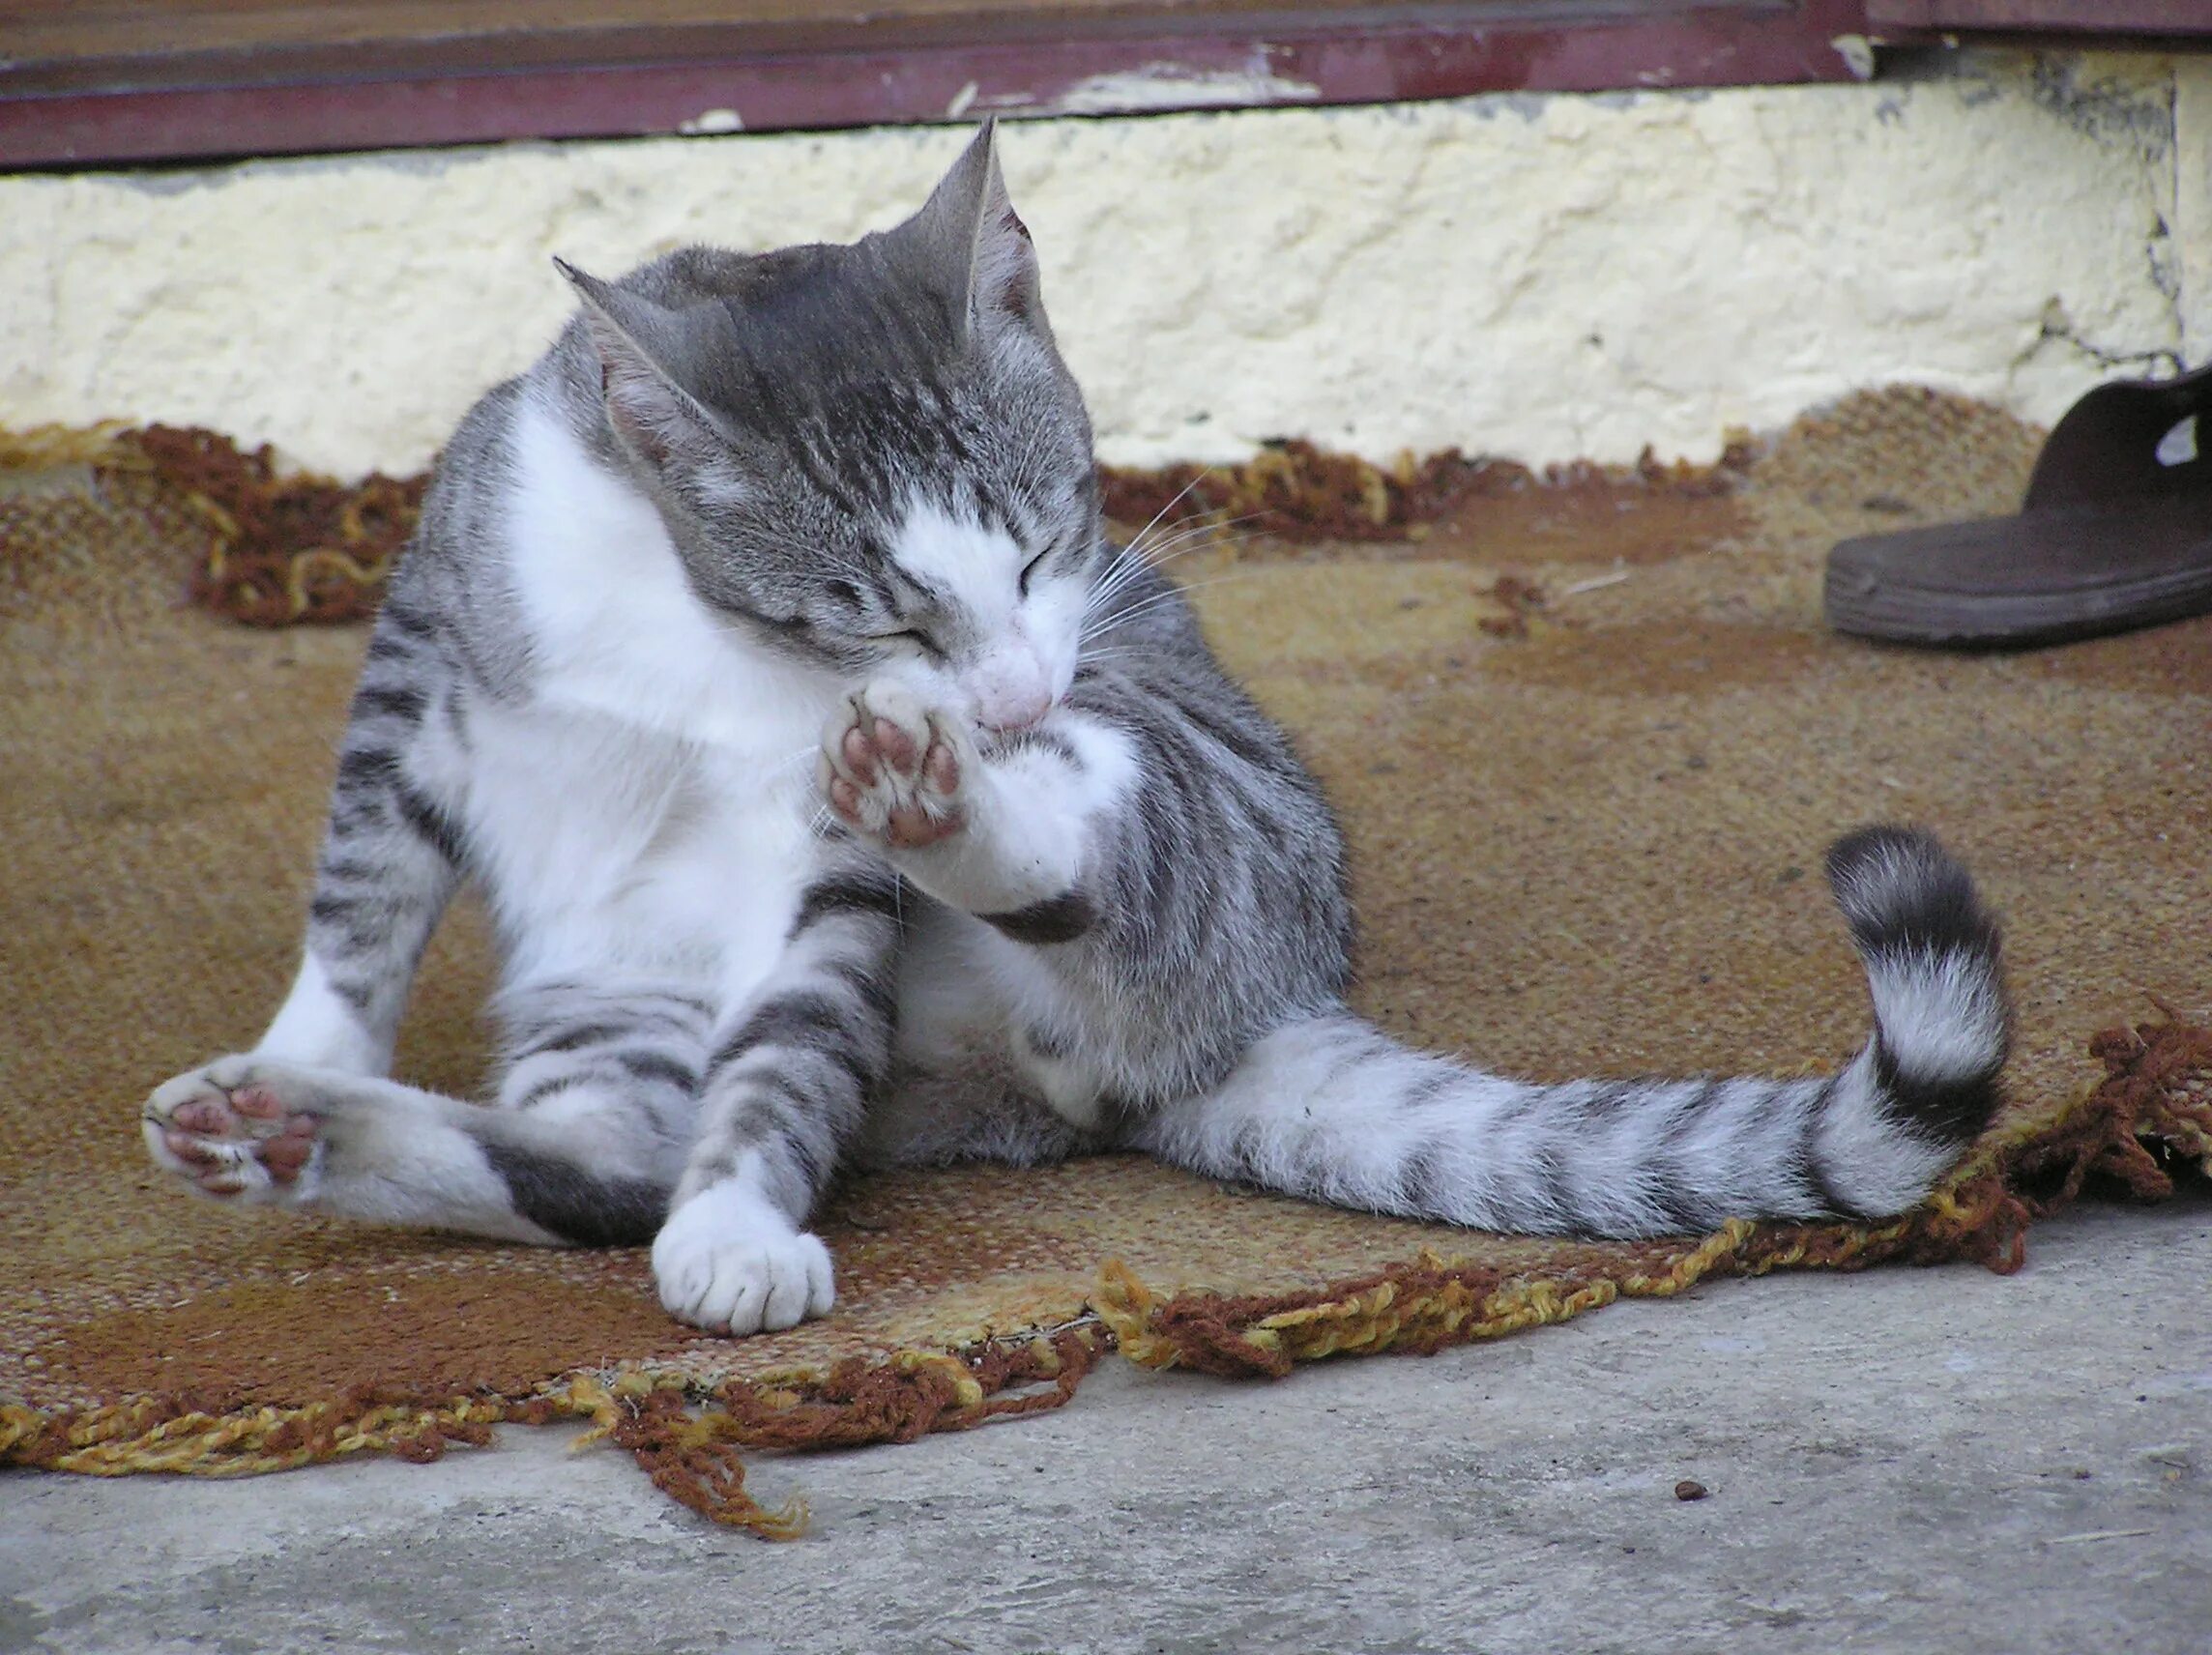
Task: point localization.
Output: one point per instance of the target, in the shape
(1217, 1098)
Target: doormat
(1589, 739)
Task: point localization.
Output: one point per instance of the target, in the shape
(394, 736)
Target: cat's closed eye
(911, 635)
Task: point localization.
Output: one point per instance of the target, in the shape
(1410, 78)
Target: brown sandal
(2115, 533)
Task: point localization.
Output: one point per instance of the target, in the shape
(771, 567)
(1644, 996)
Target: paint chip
(1857, 53)
(710, 123)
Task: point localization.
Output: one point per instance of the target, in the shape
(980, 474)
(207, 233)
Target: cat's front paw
(894, 770)
(728, 1263)
(236, 1129)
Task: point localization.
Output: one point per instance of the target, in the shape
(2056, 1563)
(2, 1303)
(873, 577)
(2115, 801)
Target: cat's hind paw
(894, 770)
(727, 1263)
(234, 1129)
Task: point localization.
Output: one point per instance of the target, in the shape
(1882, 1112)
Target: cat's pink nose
(1011, 687)
(1008, 712)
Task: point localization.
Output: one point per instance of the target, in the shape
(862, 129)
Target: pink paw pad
(256, 1103)
(215, 1136)
(896, 782)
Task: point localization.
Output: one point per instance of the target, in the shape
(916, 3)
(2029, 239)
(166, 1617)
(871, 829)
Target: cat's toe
(894, 725)
(230, 1131)
(893, 769)
(726, 1267)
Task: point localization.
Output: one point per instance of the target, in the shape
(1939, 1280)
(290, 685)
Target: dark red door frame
(182, 108)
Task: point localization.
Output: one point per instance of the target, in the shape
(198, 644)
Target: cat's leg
(594, 1110)
(786, 1084)
(963, 1083)
(391, 859)
(391, 855)
(1158, 881)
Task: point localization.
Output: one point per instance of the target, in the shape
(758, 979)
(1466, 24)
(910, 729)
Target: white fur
(1024, 659)
(316, 1028)
(728, 1259)
(1942, 1014)
(1876, 1165)
(650, 810)
(614, 625)
(409, 1158)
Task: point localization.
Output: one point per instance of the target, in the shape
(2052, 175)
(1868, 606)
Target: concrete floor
(1907, 1459)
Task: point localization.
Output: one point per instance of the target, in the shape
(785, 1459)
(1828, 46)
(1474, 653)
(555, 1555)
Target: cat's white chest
(652, 806)
(607, 848)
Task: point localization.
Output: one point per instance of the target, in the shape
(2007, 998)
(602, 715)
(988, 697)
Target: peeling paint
(1857, 53)
(1161, 86)
(711, 122)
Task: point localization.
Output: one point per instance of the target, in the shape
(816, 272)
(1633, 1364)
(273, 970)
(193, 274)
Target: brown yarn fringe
(2152, 1112)
(688, 1436)
(282, 549)
(1295, 491)
(301, 548)
(279, 549)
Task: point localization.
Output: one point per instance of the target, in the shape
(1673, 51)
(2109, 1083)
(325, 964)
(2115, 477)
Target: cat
(841, 797)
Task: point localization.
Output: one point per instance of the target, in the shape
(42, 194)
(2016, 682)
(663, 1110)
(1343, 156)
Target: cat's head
(872, 455)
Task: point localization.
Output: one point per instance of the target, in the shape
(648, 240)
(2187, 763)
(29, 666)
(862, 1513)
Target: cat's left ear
(978, 242)
(641, 349)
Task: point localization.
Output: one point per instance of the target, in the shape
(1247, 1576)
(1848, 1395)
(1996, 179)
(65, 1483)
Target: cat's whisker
(1107, 590)
(1181, 495)
(1200, 528)
(1132, 560)
(1142, 544)
(1196, 537)
(1103, 624)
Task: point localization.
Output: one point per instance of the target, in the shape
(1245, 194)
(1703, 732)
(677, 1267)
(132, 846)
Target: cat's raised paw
(231, 1131)
(893, 769)
(727, 1263)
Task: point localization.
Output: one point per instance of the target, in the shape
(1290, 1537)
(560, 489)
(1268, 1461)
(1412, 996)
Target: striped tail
(1332, 1110)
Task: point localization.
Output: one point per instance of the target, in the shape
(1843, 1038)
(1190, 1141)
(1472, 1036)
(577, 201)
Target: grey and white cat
(842, 798)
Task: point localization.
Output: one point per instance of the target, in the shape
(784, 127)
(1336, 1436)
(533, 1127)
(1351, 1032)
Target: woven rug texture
(1588, 739)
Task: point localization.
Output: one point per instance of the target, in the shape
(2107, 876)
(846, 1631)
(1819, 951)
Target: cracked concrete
(1548, 277)
(1903, 1460)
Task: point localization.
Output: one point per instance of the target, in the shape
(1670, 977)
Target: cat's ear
(978, 243)
(638, 341)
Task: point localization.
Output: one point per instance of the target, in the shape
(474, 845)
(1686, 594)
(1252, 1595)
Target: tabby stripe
(847, 893)
(657, 1067)
(398, 700)
(566, 1081)
(1805, 1160)
(574, 1036)
(872, 984)
(791, 1020)
(1233, 737)
(575, 1204)
(431, 824)
(1420, 1179)
(1058, 919)
(404, 619)
(362, 920)
(365, 769)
